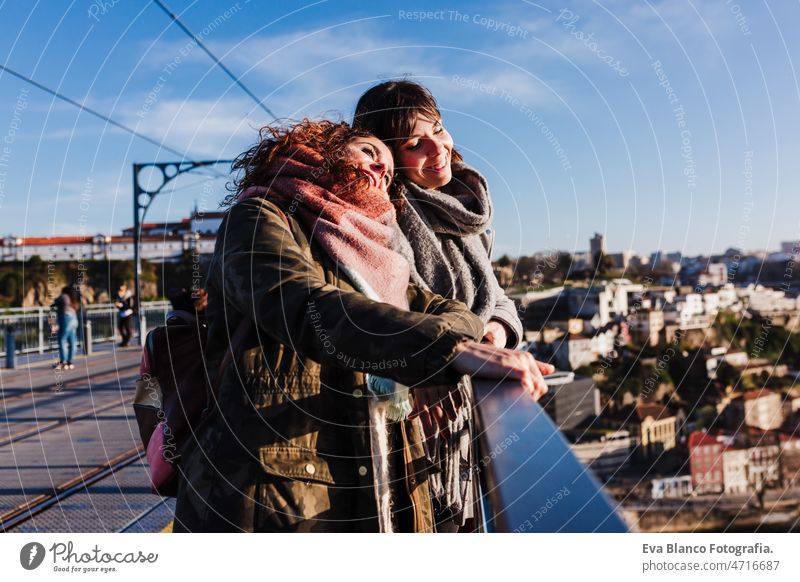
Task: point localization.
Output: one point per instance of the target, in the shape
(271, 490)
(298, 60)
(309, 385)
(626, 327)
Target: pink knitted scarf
(355, 226)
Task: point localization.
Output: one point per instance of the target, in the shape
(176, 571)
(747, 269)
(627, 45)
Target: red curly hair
(328, 138)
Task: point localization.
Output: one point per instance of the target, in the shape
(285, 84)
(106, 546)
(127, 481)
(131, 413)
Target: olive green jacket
(287, 448)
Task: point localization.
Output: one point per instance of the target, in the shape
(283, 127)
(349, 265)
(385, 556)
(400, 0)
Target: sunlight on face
(424, 158)
(371, 156)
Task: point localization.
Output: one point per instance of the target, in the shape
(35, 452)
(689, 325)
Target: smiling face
(371, 156)
(424, 158)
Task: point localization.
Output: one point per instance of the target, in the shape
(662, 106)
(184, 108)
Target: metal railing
(530, 478)
(33, 327)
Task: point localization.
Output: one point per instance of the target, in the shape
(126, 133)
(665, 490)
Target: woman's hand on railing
(486, 361)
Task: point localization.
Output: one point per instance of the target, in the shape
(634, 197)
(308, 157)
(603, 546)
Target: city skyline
(213, 217)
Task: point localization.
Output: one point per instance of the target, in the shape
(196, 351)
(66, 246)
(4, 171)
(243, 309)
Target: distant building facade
(706, 463)
(734, 471)
(656, 428)
(646, 326)
(671, 487)
(761, 409)
(159, 242)
(597, 244)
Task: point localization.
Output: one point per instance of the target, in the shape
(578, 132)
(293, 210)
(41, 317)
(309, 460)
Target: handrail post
(11, 348)
(41, 330)
(88, 347)
(142, 328)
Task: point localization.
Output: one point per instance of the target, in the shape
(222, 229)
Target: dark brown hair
(327, 138)
(390, 110)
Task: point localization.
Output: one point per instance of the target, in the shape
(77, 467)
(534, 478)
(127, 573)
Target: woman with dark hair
(318, 341)
(66, 306)
(445, 211)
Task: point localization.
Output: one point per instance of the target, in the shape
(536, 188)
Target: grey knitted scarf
(446, 229)
(444, 244)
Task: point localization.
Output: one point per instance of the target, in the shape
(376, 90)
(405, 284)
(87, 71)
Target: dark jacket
(65, 306)
(288, 446)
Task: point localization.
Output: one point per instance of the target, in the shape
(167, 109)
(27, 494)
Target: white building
(734, 471)
(687, 312)
(159, 242)
(613, 298)
(115, 248)
(573, 351)
(736, 358)
(728, 298)
(763, 467)
(764, 300)
(691, 304)
(672, 487)
(762, 409)
(715, 275)
(711, 303)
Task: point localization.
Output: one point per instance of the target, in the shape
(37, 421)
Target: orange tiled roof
(55, 240)
(33, 241)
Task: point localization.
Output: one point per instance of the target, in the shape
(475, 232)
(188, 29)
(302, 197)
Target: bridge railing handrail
(530, 478)
(34, 332)
(9, 311)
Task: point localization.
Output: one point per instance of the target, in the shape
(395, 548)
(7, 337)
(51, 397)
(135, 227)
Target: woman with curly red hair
(311, 429)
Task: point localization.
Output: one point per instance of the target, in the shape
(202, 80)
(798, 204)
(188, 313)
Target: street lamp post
(142, 199)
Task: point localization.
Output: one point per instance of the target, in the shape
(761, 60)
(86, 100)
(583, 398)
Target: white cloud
(322, 72)
(203, 127)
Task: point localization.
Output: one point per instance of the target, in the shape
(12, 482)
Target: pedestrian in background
(66, 306)
(125, 311)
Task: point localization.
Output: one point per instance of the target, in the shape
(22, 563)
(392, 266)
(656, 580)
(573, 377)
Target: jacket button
(310, 469)
(358, 393)
(362, 470)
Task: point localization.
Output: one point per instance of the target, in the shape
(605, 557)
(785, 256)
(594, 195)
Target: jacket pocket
(295, 463)
(301, 491)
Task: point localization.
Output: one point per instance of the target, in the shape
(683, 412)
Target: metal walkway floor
(70, 457)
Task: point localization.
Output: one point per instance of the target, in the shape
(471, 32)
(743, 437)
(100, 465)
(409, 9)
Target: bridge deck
(70, 458)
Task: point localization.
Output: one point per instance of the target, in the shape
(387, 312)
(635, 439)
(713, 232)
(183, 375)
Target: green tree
(11, 286)
(602, 263)
(504, 261)
(727, 375)
(564, 262)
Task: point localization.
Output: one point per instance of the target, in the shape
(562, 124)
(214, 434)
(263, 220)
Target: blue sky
(665, 125)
